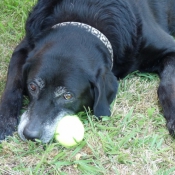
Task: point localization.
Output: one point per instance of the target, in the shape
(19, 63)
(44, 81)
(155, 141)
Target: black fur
(140, 34)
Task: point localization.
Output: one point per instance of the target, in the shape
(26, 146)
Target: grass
(134, 141)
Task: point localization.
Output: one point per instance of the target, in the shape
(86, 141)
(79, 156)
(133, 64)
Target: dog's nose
(31, 134)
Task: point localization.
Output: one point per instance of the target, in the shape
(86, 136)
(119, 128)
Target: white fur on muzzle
(48, 128)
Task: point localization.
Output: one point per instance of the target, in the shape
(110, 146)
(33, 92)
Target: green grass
(134, 141)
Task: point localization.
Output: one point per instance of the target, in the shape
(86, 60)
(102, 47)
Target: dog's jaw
(49, 128)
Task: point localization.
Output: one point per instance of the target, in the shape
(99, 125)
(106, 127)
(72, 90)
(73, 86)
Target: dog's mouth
(44, 132)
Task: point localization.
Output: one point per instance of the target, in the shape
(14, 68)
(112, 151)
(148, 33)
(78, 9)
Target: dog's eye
(68, 96)
(32, 87)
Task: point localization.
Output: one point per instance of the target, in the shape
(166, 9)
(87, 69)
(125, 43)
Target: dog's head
(68, 69)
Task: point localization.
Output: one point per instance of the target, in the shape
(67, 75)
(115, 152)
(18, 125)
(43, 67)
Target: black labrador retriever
(73, 53)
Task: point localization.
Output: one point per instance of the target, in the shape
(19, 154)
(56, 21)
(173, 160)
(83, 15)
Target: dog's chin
(48, 128)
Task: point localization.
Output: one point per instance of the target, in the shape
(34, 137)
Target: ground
(134, 141)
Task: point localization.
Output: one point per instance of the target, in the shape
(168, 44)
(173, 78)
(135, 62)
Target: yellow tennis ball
(69, 131)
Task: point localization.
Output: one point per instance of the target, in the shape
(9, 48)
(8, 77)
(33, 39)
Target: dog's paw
(7, 126)
(171, 127)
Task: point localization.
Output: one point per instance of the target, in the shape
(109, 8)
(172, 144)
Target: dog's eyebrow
(40, 82)
(59, 91)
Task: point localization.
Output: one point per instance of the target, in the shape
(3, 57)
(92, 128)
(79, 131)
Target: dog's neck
(94, 32)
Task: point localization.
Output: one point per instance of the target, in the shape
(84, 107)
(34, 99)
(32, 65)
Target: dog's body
(66, 68)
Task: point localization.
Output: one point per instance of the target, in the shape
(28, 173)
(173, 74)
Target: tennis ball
(69, 131)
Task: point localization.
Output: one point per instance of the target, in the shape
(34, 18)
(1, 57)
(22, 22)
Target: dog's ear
(25, 71)
(105, 89)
